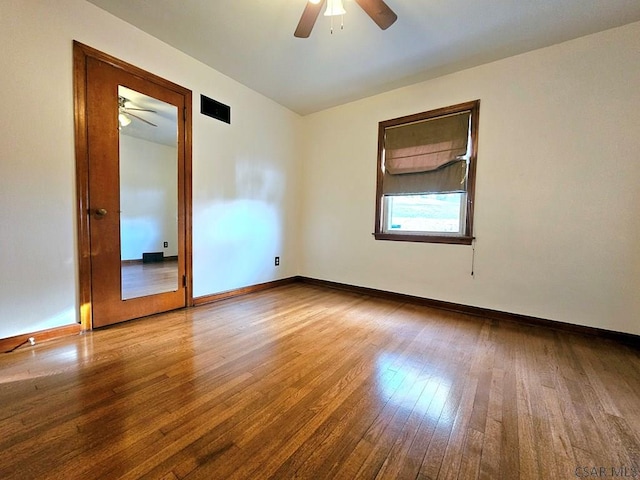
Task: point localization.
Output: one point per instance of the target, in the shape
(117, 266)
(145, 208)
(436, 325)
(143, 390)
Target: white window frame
(386, 225)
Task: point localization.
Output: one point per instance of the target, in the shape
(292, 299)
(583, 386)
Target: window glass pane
(438, 213)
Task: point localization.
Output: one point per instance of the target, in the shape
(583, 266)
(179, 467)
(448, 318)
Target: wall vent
(215, 109)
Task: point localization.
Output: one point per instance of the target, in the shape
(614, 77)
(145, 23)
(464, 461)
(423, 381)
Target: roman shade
(425, 156)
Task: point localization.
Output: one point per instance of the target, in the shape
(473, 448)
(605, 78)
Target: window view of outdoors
(425, 213)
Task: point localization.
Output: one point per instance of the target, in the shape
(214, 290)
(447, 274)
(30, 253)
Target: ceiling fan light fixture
(378, 10)
(123, 119)
(334, 8)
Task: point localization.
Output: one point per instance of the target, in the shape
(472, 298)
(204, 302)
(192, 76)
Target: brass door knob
(101, 212)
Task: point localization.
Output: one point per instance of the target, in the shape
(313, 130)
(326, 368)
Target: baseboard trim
(216, 297)
(626, 338)
(138, 261)
(11, 344)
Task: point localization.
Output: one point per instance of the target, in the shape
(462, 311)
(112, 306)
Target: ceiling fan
(125, 107)
(379, 12)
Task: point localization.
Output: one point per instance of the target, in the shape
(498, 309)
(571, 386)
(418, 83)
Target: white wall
(557, 185)
(557, 191)
(148, 198)
(245, 174)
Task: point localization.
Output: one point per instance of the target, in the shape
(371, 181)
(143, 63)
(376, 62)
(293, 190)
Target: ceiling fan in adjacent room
(379, 12)
(125, 109)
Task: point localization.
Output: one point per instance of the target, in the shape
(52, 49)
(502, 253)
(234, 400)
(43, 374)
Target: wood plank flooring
(141, 279)
(308, 382)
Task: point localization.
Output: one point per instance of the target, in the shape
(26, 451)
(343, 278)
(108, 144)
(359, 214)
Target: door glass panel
(148, 194)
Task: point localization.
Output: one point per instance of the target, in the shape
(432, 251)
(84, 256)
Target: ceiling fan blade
(379, 12)
(126, 109)
(308, 19)
(141, 119)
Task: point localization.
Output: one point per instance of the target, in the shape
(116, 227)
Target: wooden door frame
(81, 53)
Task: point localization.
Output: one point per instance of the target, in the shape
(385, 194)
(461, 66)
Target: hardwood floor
(140, 279)
(308, 382)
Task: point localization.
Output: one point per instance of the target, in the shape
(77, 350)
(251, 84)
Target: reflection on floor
(315, 383)
(140, 279)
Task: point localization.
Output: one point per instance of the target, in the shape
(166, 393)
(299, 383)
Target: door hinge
(184, 113)
(184, 280)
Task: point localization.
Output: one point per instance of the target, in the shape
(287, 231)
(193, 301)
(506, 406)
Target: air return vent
(214, 109)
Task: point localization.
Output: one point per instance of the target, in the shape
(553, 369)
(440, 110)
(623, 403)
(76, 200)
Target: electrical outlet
(166, 244)
(277, 262)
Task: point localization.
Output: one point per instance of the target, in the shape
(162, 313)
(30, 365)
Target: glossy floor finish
(308, 382)
(140, 279)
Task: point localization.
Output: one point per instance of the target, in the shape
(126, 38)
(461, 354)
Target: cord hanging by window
(473, 257)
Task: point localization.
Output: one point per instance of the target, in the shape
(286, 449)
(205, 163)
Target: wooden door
(105, 83)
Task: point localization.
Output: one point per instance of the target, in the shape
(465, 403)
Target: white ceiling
(252, 41)
(163, 116)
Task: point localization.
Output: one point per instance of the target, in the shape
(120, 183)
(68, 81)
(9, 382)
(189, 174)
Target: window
(426, 176)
